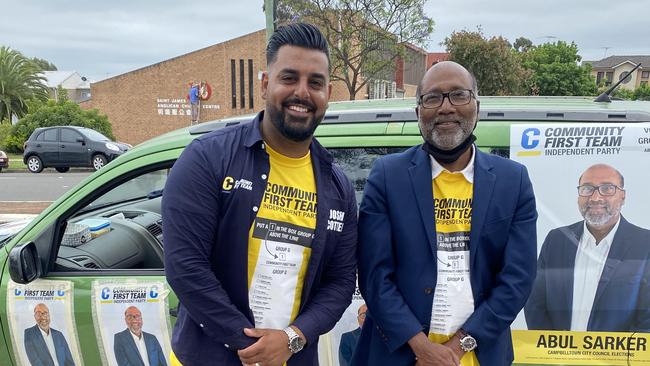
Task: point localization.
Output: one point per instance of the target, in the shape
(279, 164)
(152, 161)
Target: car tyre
(99, 161)
(62, 169)
(34, 164)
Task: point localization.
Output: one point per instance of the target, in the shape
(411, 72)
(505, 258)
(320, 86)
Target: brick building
(152, 100)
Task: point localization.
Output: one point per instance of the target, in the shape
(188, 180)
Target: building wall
(150, 101)
(635, 82)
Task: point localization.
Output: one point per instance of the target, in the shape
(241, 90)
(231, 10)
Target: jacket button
(428, 291)
(255, 208)
(264, 176)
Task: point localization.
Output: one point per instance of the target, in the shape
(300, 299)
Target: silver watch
(467, 342)
(295, 342)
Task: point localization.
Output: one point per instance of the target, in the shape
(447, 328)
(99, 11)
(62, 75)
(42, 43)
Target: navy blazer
(397, 255)
(127, 354)
(206, 229)
(37, 351)
(622, 301)
(348, 343)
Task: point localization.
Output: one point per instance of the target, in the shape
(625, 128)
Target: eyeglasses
(586, 190)
(456, 97)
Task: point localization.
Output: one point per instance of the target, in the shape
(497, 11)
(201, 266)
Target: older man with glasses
(593, 275)
(446, 240)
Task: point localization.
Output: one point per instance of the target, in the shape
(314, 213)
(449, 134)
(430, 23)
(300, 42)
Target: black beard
(279, 120)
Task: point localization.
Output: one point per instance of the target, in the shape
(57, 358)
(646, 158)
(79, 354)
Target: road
(31, 193)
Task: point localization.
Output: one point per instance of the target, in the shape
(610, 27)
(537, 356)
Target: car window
(68, 135)
(94, 135)
(357, 162)
(121, 229)
(40, 137)
(50, 135)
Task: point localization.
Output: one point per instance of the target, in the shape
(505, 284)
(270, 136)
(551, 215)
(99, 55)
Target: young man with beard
(251, 248)
(446, 240)
(593, 275)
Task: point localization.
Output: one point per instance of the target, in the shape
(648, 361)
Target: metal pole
(269, 10)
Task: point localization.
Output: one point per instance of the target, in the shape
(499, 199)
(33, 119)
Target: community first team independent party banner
(556, 156)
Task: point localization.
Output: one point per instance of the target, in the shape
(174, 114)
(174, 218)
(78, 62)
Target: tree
(365, 38)
(43, 65)
(53, 113)
(555, 70)
(522, 44)
(492, 61)
(19, 82)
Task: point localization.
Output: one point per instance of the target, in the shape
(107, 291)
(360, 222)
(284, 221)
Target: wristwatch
(467, 342)
(295, 342)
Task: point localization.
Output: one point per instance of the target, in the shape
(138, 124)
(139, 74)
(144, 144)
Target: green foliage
(522, 44)
(365, 37)
(640, 93)
(495, 65)
(5, 130)
(19, 82)
(555, 70)
(43, 65)
(52, 113)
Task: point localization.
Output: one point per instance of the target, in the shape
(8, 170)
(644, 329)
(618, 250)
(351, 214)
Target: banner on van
(590, 302)
(40, 314)
(131, 321)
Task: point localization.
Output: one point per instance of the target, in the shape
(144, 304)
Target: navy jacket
(127, 353)
(37, 351)
(622, 301)
(348, 344)
(397, 256)
(206, 227)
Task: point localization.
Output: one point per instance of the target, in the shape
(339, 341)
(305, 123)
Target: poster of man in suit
(42, 323)
(590, 184)
(131, 322)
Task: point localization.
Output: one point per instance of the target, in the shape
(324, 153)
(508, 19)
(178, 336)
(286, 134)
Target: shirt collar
(43, 332)
(467, 172)
(607, 240)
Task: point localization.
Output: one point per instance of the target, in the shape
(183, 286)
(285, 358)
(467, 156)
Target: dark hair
(296, 34)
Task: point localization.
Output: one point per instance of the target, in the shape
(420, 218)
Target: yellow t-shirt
(279, 244)
(453, 301)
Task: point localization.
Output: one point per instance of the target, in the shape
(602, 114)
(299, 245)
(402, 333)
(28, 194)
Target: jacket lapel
(134, 348)
(617, 252)
(565, 270)
(421, 182)
(484, 181)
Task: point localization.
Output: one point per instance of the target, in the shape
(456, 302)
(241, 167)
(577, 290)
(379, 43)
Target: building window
(625, 75)
(233, 83)
(599, 77)
(242, 101)
(250, 83)
(645, 74)
(609, 76)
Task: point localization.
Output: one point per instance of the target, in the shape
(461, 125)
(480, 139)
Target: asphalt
(12, 211)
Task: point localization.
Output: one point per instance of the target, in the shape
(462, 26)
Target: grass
(16, 161)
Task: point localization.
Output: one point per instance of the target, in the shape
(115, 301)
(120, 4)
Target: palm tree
(20, 81)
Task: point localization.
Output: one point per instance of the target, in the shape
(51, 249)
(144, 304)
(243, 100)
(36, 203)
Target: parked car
(123, 202)
(63, 147)
(4, 160)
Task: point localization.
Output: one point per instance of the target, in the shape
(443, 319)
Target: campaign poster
(41, 321)
(329, 346)
(590, 304)
(131, 319)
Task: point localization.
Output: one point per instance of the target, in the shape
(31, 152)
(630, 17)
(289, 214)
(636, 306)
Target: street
(30, 193)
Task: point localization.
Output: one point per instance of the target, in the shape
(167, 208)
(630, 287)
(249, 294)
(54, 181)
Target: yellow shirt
(279, 245)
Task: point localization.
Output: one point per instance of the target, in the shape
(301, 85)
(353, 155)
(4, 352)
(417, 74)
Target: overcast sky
(100, 39)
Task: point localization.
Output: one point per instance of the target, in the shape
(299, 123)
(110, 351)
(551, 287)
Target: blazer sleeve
(31, 349)
(337, 283)
(118, 351)
(514, 280)
(395, 321)
(536, 311)
(68, 360)
(190, 209)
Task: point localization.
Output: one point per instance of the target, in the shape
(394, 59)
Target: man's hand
(271, 349)
(430, 353)
(454, 345)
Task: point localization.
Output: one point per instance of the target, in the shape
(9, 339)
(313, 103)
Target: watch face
(296, 344)
(468, 343)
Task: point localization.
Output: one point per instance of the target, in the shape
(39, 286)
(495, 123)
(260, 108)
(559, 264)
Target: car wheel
(34, 164)
(62, 169)
(99, 161)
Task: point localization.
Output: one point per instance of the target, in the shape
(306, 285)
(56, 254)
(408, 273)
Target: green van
(99, 247)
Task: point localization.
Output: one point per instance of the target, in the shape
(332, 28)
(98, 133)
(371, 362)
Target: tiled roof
(611, 61)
